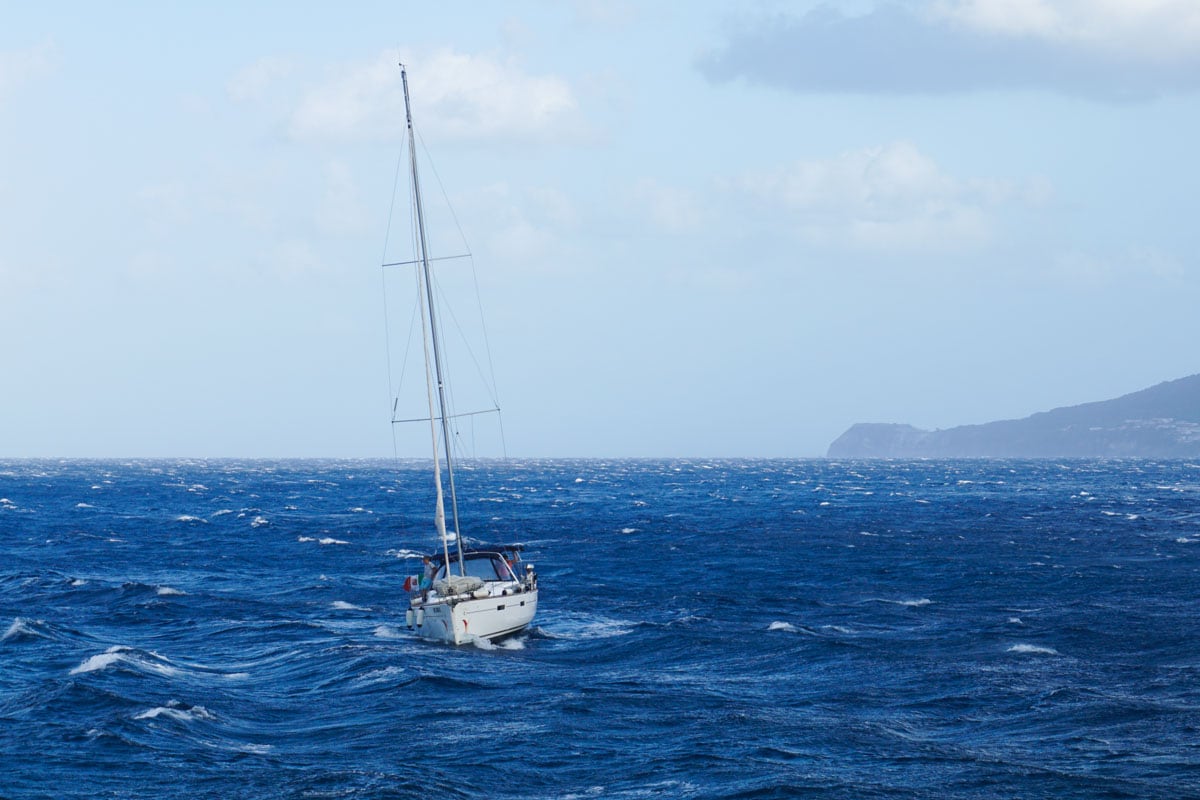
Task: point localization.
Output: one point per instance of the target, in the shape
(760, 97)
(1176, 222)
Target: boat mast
(427, 283)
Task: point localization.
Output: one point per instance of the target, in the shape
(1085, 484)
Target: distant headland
(1160, 422)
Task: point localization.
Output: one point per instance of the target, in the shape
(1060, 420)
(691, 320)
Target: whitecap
(188, 518)
(924, 601)
(177, 711)
(1033, 649)
(342, 605)
(22, 626)
(258, 522)
(78, 582)
(388, 632)
(383, 675)
(405, 553)
(331, 540)
(582, 627)
(628, 530)
(101, 661)
(787, 627)
(305, 539)
(121, 654)
(169, 591)
(579, 480)
(84, 505)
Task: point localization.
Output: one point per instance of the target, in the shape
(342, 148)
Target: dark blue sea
(707, 629)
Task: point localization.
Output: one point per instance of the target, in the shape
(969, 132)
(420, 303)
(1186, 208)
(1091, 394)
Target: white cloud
(533, 227)
(254, 82)
(881, 197)
(342, 210)
(554, 206)
(1150, 30)
(20, 67)
(1111, 50)
(670, 208)
(455, 95)
(291, 259)
(608, 15)
(1089, 270)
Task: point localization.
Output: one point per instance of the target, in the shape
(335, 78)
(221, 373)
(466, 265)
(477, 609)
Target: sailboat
(480, 593)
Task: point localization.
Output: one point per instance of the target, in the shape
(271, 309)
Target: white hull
(458, 621)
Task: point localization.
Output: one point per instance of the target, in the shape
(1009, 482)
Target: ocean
(707, 629)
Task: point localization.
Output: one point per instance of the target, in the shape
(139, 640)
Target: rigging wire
(457, 445)
(387, 333)
(490, 379)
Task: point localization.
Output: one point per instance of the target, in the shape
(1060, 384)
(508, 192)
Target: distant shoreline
(1162, 421)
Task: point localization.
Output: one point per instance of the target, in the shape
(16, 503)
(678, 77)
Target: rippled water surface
(707, 629)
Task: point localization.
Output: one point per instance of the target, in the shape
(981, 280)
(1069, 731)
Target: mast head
(407, 105)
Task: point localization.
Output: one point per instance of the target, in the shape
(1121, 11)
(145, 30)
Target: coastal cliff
(1160, 422)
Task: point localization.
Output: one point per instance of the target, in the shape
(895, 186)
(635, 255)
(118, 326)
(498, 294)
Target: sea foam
(23, 627)
(120, 654)
(1033, 649)
(177, 711)
(342, 605)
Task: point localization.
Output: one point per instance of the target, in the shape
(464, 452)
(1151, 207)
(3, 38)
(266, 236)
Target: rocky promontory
(1160, 422)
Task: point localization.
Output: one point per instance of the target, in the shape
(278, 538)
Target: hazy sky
(700, 228)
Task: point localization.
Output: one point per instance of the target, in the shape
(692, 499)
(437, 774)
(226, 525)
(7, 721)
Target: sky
(701, 229)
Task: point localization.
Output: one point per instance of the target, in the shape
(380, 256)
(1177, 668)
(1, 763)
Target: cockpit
(485, 566)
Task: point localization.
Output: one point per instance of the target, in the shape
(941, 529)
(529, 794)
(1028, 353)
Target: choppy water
(708, 629)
